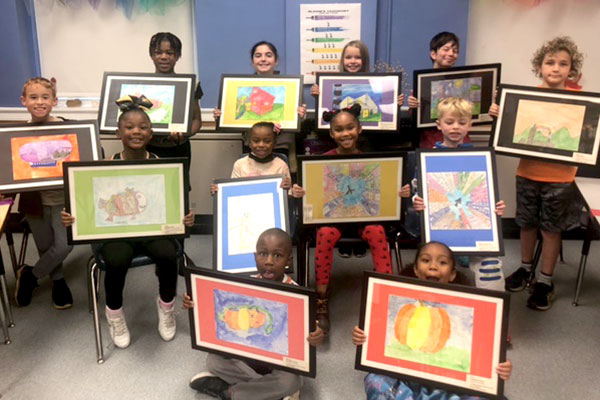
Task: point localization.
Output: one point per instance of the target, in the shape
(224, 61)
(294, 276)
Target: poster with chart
(324, 31)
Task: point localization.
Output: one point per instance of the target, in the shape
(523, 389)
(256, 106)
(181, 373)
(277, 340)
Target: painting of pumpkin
(422, 327)
(243, 318)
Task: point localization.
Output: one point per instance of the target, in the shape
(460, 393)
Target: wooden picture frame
(35, 153)
(118, 199)
(172, 96)
(560, 126)
(459, 354)
(476, 83)
(277, 319)
(247, 99)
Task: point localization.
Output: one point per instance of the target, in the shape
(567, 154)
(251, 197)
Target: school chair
(95, 266)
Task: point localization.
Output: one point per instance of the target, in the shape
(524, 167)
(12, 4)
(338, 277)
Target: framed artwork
(252, 319)
(117, 199)
(476, 83)
(243, 209)
(356, 188)
(34, 153)
(172, 99)
(377, 94)
(247, 99)
(459, 188)
(450, 337)
(550, 125)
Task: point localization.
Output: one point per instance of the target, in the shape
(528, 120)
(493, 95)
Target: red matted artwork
(252, 319)
(35, 157)
(446, 336)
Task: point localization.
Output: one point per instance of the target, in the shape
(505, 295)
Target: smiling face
(264, 60)
(262, 141)
(38, 100)
(353, 61)
(345, 130)
(164, 58)
(446, 56)
(454, 127)
(555, 69)
(135, 130)
(273, 254)
(435, 263)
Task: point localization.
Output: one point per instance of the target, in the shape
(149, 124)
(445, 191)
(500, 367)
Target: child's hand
(500, 206)
(314, 90)
(413, 102)
(297, 191)
(358, 336)
(188, 220)
(504, 369)
(187, 301)
(302, 111)
(216, 113)
(66, 218)
(213, 189)
(277, 128)
(286, 183)
(418, 204)
(404, 191)
(400, 100)
(494, 110)
(316, 337)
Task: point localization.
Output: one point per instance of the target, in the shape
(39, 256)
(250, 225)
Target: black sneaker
(360, 250)
(345, 251)
(517, 280)
(542, 296)
(61, 295)
(207, 383)
(26, 282)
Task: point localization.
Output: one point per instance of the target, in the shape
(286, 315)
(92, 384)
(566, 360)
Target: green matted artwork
(126, 199)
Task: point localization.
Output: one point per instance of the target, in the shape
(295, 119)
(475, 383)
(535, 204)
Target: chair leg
(97, 332)
(307, 263)
(398, 256)
(4, 323)
(6, 302)
(536, 259)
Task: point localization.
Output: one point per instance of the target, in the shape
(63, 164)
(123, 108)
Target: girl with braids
(135, 131)
(345, 129)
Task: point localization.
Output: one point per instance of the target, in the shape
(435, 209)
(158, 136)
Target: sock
(526, 265)
(545, 279)
(166, 305)
(114, 313)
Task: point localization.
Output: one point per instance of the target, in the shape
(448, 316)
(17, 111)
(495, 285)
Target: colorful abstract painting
(464, 88)
(429, 333)
(251, 321)
(549, 124)
(129, 200)
(261, 103)
(36, 157)
(458, 200)
(351, 189)
(162, 97)
(245, 224)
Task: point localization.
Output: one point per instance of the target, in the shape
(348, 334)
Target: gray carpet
(53, 356)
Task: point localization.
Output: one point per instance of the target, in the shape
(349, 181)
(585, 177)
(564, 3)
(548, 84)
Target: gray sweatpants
(250, 385)
(51, 241)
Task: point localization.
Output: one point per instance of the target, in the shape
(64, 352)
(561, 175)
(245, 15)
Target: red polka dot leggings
(328, 236)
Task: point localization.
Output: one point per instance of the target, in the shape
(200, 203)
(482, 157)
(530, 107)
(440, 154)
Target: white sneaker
(118, 329)
(166, 321)
(295, 396)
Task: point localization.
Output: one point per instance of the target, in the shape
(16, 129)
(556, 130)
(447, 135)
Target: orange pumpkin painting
(422, 327)
(244, 318)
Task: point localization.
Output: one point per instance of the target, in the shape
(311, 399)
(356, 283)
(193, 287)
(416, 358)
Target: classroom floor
(52, 355)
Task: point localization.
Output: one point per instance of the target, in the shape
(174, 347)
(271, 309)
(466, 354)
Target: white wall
(78, 45)
(508, 32)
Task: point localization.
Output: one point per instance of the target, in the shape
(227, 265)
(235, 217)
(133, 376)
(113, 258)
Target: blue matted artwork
(246, 209)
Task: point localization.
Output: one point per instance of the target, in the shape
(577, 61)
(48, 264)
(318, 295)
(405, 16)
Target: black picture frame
(205, 337)
(423, 80)
(175, 91)
(558, 109)
(372, 357)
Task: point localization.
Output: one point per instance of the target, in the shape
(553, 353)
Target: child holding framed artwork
(229, 378)
(42, 211)
(435, 262)
(135, 131)
(545, 191)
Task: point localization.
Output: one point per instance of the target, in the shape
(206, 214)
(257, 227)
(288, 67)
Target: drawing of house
(368, 106)
(261, 101)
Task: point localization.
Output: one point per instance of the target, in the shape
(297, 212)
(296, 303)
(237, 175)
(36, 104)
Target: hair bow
(129, 102)
(354, 109)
